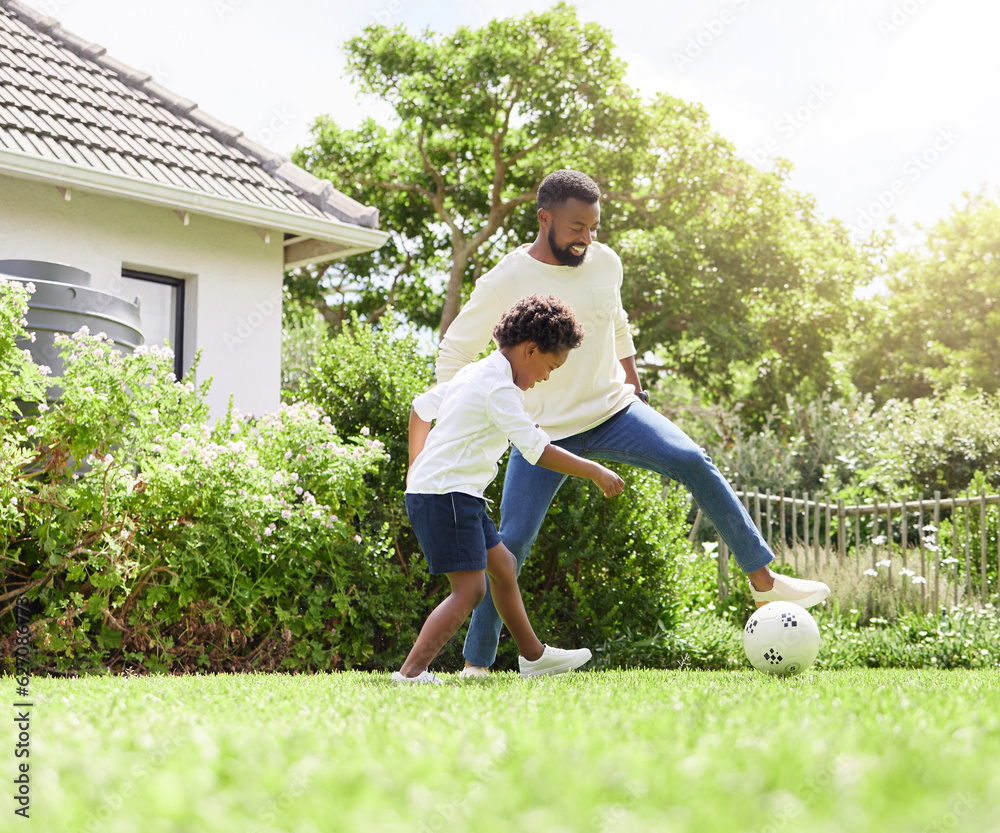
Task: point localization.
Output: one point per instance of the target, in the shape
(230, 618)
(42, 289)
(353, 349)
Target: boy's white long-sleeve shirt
(590, 387)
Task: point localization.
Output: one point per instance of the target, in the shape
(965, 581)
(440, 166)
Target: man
(596, 408)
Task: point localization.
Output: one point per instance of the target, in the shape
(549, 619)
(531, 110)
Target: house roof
(72, 115)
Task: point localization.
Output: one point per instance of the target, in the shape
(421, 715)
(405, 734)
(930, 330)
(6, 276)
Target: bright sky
(883, 106)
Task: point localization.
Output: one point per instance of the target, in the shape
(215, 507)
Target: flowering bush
(21, 382)
(149, 537)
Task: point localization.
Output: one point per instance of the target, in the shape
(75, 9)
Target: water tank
(63, 302)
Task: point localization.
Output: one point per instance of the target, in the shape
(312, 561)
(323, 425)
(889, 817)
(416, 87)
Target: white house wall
(232, 277)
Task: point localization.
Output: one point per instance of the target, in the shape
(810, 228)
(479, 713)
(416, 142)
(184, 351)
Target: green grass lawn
(858, 750)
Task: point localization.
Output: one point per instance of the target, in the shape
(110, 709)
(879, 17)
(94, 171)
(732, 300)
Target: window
(161, 310)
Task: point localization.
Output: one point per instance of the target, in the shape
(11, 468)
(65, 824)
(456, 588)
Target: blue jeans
(638, 436)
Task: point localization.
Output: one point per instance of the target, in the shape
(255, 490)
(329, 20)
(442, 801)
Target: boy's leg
(467, 589)
(501, 567)
(527, 492)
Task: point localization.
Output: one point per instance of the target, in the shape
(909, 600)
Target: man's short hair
(560, 186)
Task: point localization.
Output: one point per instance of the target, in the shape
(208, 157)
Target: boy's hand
(608, 482)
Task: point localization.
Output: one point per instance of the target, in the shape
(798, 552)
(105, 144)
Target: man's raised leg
(645, 438)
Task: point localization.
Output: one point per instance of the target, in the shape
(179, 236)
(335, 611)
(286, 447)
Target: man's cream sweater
(590, 387)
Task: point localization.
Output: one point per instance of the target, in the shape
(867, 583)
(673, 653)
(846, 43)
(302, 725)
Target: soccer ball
(781, 638)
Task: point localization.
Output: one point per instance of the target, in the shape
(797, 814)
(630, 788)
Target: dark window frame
(177, 341)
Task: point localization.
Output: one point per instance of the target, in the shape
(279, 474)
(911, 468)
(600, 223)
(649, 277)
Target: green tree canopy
(482, 116)
(939, 325)
(729, 273)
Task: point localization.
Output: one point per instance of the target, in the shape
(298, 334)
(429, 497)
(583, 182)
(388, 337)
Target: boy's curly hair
(543, 319)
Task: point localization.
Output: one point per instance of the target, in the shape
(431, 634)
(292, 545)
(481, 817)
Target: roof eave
(354, 239)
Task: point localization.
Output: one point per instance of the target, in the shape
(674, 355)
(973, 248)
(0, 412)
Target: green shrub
(598, 567)
(601, 568)
(153, 540)
(849, 448)
(21, 381)
(964, 637)
(366, 380)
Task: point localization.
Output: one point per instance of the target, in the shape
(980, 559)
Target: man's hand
(608, 482)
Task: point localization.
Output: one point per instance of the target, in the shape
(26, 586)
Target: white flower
(365, 431)
(929, 528)
(171, 377)
(31, 429)
(357, 539)
(317, 513)
(43, 407)
(906, 572)
(919, 580)
(286, 513)
(949, 560)
(885, 562)
(879, 540)
(31, 287)
(931, 546)
(871, 572)
(44, 369)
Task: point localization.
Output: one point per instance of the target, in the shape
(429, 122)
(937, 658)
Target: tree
(483, 116)
(939, 325)
(729, 274)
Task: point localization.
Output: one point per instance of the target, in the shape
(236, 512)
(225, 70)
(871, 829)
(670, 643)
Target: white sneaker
(476, 671)
(800, 591)
(553, 661)
(423, 678)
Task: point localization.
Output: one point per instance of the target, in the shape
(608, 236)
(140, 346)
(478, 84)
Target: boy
(479, 412)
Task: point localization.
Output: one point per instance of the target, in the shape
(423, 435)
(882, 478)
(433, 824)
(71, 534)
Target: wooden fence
(820, 530)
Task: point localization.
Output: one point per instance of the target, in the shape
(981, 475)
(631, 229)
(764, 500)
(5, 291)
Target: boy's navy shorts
(454, 530)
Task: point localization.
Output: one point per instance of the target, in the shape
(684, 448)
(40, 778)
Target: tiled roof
(64, 99)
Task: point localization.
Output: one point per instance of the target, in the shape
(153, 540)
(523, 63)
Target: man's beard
(564, 256)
